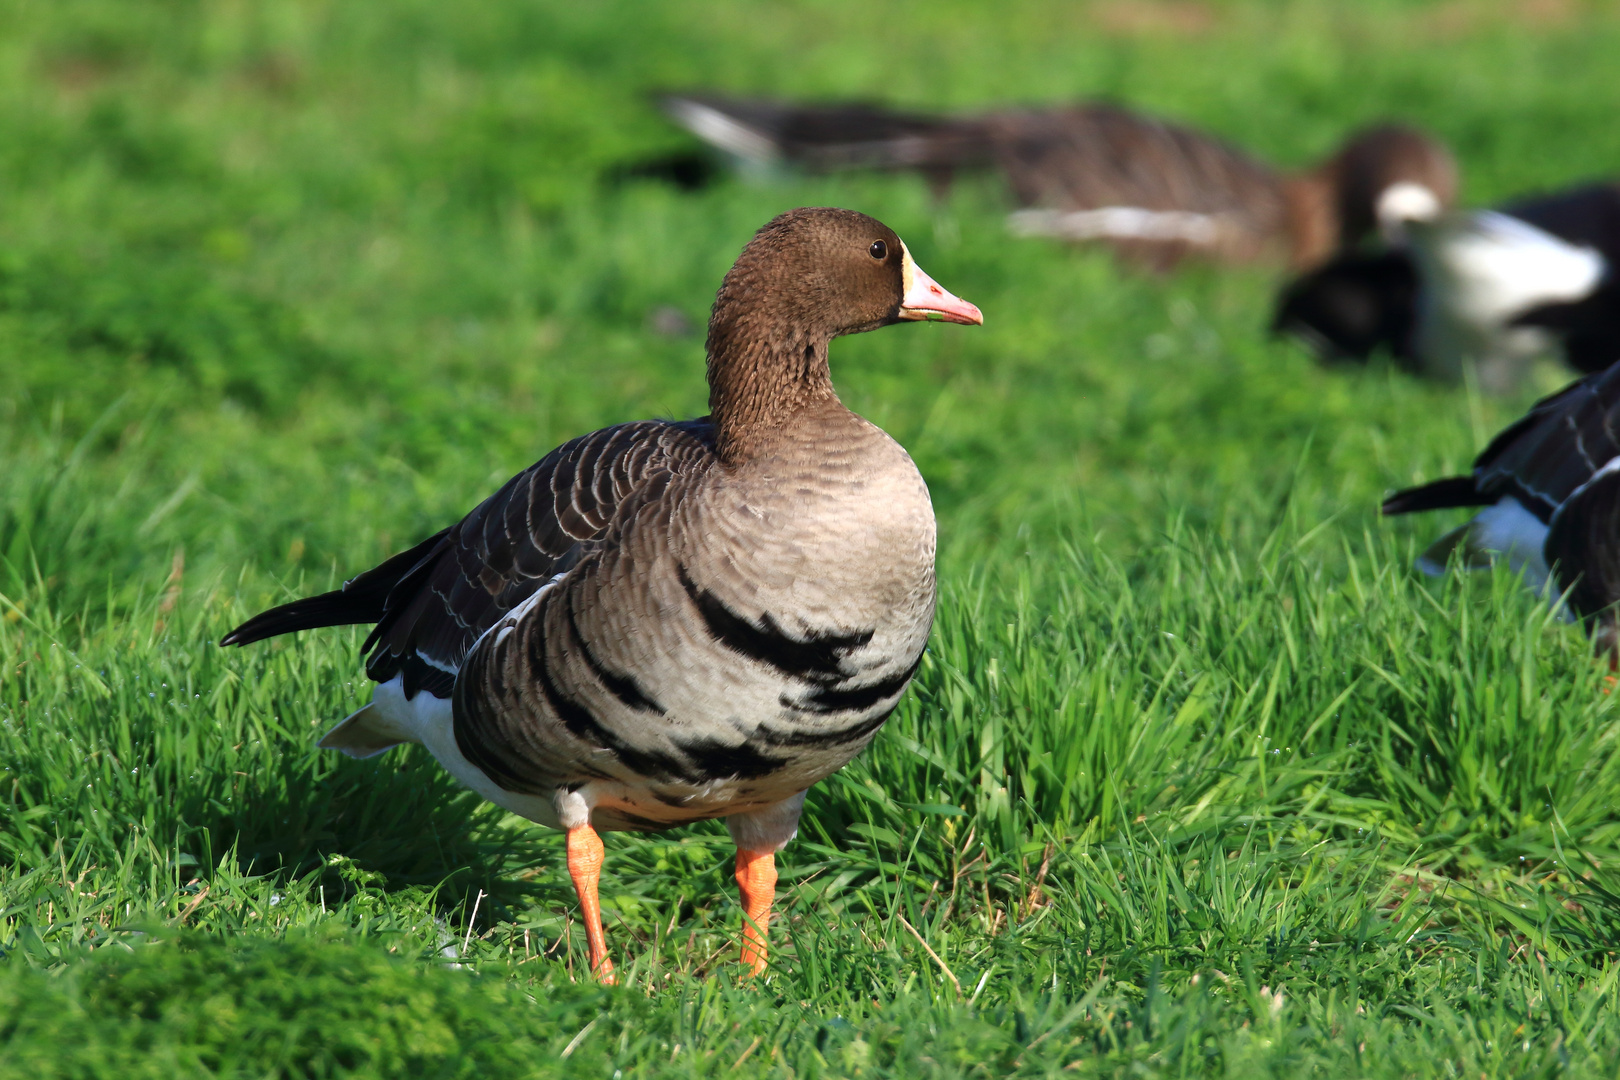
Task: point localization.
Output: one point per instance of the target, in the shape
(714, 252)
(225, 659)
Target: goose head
(817, 273)
(1388, 175)
(808, 276)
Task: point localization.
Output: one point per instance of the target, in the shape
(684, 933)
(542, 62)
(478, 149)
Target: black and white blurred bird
(1484, 291)
(661, 622)
(1155, 191)
(1549, 492)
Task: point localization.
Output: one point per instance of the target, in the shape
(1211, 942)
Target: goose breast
(745, 637)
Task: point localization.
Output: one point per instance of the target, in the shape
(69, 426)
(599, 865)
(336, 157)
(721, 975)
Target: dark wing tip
(278, 620)
(244, 634)
(1398, 503)
(337, 608)
(1438, 495)
(363, 599)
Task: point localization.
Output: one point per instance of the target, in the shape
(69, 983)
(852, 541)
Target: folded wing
(431, 603)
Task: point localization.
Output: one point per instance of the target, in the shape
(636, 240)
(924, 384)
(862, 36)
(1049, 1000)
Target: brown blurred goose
(665, 622)
(1159, 193)
(1156, 192)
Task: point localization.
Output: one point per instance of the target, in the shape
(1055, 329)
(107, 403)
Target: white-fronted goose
(1161, 192)
(1155, 191)
(666, 622)
(1550, 486)
(1486, 290)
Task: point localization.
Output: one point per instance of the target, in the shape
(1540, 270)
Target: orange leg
(756, 876)
(585, 867)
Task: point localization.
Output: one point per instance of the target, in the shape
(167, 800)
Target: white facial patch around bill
(1404, 202)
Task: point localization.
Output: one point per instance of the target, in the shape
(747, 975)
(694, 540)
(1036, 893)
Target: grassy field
(1198, 777)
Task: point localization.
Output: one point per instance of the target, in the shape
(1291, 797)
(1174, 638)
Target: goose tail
(364, 733)
(824, 138)
(1445, 494)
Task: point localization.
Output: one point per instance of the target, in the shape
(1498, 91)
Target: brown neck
(759, 380)
(1313, 218)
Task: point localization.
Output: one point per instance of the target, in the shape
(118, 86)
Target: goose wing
(1154, 191)
(1543, 459)
(431, 603)
(1098, 155)
(1586, 216)
(1557, 448)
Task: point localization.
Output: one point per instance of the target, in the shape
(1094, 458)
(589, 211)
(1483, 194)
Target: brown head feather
(807, 277)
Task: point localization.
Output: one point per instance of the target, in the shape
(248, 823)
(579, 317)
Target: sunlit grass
(1197, 777)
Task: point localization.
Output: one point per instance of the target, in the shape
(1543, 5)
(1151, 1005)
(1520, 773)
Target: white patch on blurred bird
(726, 132)
(1405, 202)
(1119, 223)
(1480, 271)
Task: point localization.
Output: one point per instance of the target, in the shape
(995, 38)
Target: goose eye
(879, 249)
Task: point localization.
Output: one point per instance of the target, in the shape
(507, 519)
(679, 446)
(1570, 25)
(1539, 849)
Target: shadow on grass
(399, 818)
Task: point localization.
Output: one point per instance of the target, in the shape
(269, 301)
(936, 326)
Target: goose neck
(759, 384)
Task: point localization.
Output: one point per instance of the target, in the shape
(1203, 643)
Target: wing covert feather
(535, 527)
(1557, 447)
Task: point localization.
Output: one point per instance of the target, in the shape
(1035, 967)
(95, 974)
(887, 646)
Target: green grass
(1198, 777)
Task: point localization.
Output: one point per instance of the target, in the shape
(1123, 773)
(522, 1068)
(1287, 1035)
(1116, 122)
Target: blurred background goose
(661, 622)
(1485, 291)
(1155, 191)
